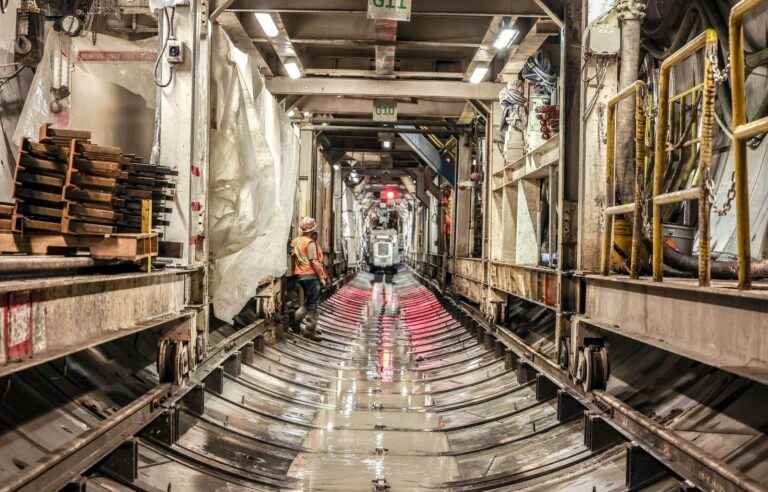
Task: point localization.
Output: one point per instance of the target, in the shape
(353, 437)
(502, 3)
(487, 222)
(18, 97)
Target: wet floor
(379, 430)
(411, 401)
(397, 396)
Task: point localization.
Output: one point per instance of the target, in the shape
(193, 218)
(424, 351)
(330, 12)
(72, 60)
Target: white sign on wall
(396, 10)
(384, 110)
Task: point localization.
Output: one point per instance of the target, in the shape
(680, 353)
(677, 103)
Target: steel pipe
(741, 131)
(38, 264)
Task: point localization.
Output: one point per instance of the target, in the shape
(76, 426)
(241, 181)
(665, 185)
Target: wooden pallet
(9, 217)
(118, 247)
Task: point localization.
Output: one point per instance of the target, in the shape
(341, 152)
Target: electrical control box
(604, 40)
(175, 53)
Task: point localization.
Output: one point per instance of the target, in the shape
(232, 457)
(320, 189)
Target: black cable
(13, 75)
(4, 5)
(169, 34)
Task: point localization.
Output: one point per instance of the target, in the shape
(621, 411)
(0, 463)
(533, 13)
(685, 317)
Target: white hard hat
(308, 224)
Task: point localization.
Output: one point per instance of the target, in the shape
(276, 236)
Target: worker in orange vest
(310, 272)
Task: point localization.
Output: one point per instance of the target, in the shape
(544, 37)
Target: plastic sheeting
(254, 173)
(126, 64)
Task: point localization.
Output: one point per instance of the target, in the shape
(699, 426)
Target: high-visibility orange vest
(300, 252)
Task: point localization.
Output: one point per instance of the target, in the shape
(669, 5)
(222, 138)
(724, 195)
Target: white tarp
(130, 67)
(254, 172)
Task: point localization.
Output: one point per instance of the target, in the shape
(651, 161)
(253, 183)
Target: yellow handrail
(707, 41)
(611, 209)
(741, 132)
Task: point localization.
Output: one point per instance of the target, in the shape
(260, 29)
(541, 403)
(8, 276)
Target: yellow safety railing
(742, 131)
(612, 209)
(708, 42)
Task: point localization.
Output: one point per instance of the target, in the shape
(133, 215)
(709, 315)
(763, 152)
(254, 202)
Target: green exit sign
(396, 10)
(384, 110)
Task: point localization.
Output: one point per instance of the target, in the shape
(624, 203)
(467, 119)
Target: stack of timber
(71, 193)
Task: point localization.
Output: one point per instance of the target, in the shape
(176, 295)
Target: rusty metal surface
(48, 318)
(685, 319)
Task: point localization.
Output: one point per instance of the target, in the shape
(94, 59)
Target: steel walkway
(398, 395)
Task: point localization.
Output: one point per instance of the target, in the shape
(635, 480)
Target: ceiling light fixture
(478, 74)
(386, 144)
(292, 68)
(507, 35)
(267, 24)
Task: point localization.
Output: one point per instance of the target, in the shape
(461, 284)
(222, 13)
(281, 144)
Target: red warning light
(390, 195)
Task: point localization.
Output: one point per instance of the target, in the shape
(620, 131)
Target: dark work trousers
(312, 287)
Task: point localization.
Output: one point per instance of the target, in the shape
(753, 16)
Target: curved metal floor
(397, 394)
(404, 399)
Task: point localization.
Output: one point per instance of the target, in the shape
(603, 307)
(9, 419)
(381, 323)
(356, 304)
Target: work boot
(312, 335)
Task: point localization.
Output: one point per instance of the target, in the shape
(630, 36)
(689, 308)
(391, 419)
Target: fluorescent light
(267, 24)
(506, 36)
(479, 74)
(292, 67)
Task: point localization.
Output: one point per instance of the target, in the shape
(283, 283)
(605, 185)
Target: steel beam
(427, 152)
(374, 130)
(486, 53)
(69, 314)
(386, 35)
(59, 468)
(482, 8)
(528, 43)
(420, 89)
(358, 43)
(234, 29)
(354, 106)
(370, 74)
(719, 326)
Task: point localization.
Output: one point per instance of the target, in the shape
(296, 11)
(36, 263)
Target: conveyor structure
(402, 393)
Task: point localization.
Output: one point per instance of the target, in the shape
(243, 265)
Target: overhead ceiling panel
(324, 26)
(444, 29)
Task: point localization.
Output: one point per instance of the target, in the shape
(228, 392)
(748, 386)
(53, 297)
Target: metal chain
(631, 9)
(730, 197)
(720, 75)
(602, 135)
